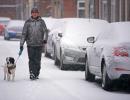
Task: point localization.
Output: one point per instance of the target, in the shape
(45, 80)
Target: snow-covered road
(53, 84)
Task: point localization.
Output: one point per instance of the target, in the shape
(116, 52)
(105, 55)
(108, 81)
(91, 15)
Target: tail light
(120, 51)
(121, 69)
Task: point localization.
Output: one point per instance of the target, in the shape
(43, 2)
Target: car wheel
(88, 75)
(6, 37)
(106, 81)
(46, 53)
(62, 65)
(53, 54)
(56, 61)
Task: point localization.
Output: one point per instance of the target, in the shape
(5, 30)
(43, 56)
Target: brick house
(44, 7)
(61, 8)
(68, 8)
(8, 8)
(20, 9)
(111, 10)
(12, 8)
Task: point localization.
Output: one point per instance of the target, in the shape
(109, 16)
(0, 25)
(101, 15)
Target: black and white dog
(9, 69)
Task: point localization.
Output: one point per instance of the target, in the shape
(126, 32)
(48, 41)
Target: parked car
(108, 55)
(49, 23)
(2, 27)
(70, 46)
(3, 23)
(49, 49)
(14, 29)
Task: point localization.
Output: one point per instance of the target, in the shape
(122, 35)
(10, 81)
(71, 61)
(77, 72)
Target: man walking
(35, 34)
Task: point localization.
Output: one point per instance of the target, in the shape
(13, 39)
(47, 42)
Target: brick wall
(44, 7)
(12, 8)
(11, 2)
(8, 12)
(70, 8)
(64, 8)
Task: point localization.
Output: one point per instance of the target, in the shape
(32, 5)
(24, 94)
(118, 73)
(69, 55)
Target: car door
(97, 52)
(93, 54)
(58, 45)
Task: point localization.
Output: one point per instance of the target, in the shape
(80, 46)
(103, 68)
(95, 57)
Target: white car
(14, 29)
(108, 55)
(70, 45)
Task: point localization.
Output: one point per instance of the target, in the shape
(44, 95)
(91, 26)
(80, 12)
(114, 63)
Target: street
(53, 83)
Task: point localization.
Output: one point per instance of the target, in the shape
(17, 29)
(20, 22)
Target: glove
(44, 41)
(21, 50)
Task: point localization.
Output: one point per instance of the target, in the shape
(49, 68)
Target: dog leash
(17, 59)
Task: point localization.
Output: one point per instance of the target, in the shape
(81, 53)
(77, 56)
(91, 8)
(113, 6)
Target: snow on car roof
(16, 23)
(49, 22)
(4, 18)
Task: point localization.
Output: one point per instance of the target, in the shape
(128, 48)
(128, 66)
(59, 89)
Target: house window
(81, 8)
(104, 10)
(113, 10)
(91, 8)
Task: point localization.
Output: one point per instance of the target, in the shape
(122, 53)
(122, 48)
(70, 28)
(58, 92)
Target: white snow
(121, 31)
(53, 84)
(78, 29)
(50, 22)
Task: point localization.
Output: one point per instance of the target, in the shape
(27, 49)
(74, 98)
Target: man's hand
(44, 41)
(21, 50)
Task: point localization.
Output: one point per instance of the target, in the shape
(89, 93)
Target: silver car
(108, 55)
(49, 48)
(70, 46)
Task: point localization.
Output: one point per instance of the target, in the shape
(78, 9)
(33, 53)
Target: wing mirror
(91, 39)
(60, 34)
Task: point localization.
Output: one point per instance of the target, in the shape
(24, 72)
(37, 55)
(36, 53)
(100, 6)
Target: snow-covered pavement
(53, 84)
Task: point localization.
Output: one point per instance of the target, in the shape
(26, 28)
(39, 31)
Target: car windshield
(81, 29)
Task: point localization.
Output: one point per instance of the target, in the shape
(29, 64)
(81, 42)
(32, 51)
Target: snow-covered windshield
(79, 30)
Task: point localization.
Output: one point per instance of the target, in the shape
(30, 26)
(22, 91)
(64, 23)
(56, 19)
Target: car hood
(73, 43)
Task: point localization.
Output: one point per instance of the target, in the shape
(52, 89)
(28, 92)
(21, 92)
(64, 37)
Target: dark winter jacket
(34, 32)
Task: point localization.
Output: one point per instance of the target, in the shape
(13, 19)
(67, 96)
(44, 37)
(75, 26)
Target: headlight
(82, 48)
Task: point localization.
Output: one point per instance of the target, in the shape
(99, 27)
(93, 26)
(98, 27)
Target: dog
(9, 69)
